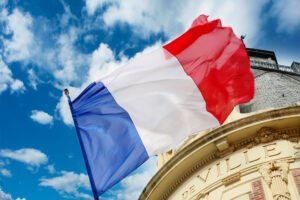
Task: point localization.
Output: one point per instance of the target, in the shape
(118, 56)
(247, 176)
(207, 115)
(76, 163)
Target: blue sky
(46, 46)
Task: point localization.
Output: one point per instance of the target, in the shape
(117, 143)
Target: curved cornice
(204, 149)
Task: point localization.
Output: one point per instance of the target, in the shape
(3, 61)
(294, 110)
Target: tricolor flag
(153, 103)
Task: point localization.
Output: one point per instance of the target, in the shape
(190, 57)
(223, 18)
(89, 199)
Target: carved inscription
(270, 150)
(249, 159)
(189, 192)
(204, 178)
(230, 167)
(225, 168)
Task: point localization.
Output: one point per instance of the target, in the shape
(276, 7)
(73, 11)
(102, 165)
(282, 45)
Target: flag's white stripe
(154, 85)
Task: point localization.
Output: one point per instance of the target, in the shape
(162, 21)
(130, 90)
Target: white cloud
(51, 169)
(66, 16)
(68, 184)
(4, 196)
(63, 60)
(5, 76)
(149, 16)
(41, 117)
(3, 2)
(70, 62)
(103, 62)
(17, 85)
(172, 18)
(7, 80)
(66, 58)
(5, 172)
(89, 38)
(33, 79)
(32, 157)
(133, 185)
(93, 5)
(49, 45)
(287, 13)
(246, 19)
(19, 46)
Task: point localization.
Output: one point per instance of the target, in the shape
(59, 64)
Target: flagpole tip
(66, 92)
(243, 37)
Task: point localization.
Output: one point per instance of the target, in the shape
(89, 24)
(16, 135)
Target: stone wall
(273, 90)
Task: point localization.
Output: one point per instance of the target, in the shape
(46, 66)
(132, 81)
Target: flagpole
(66, 91)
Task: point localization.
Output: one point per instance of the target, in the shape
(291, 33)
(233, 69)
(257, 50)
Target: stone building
(254, 155)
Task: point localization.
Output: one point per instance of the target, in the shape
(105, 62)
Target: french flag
(153, 103)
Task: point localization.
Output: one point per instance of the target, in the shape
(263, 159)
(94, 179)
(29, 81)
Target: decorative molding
(187, 174)
(278, 115)
(275, 174)
(222, 144)
(231, 179)
(222, 154)
(263, 135)
(267, 134)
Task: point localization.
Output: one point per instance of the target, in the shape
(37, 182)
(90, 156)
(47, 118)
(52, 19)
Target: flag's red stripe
(218, 63)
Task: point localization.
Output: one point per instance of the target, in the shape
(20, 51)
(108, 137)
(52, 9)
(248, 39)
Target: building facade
(254, 155)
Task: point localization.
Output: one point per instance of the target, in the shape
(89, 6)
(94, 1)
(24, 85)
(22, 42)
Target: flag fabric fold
(153, 103)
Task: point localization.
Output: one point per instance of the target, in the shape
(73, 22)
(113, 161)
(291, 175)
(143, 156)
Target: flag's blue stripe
(110, 142)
